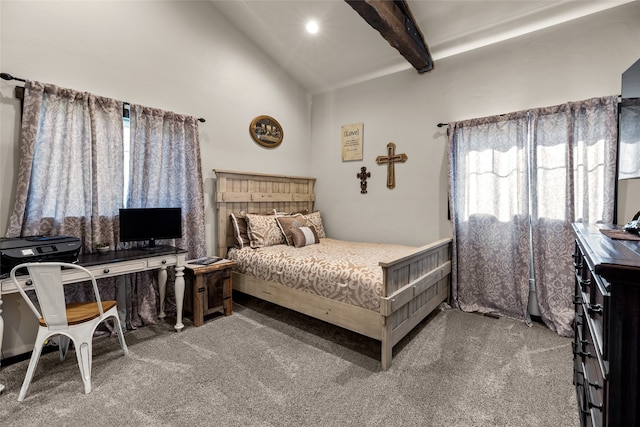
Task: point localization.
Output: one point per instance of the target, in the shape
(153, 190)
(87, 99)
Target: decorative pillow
(304, 236)
(289, 222)
(315, 219)
(240, 232)
(263, 231)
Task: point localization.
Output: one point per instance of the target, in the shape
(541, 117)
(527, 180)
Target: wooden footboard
(414, 284)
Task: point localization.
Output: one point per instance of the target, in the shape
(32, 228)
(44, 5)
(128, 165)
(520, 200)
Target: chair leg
(118, 327)
(83, 354)
(33, 363)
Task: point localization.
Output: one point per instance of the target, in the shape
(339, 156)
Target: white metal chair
(76, 322)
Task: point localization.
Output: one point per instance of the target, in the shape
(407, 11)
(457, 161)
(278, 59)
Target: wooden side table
(208, 289)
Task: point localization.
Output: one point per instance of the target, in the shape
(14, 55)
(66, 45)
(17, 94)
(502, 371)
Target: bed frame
(414, 284)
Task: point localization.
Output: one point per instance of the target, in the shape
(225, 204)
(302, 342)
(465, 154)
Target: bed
(415, 281)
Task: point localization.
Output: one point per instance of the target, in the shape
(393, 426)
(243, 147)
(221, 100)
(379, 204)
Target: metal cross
(362, 176)
(390, 159)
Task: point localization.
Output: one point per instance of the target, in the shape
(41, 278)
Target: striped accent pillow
(304, 236)
(290, 222)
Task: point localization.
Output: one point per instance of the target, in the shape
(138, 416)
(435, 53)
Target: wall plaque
(352, 136)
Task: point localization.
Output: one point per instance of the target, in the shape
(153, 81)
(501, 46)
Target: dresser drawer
(162, 261)
(583, 274)
(118, 268)
(595, 384)
(597, 310)
(586, 418)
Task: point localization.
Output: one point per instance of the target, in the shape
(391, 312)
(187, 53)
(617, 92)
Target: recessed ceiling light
(312, 27)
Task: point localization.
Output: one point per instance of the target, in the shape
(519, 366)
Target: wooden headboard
(256, 193)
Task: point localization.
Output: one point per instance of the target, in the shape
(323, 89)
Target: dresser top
(610, 258)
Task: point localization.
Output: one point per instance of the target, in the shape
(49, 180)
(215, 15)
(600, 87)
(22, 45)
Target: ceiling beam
(394, 20)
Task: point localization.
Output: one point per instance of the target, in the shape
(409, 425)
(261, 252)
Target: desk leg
(123, 300)
(179, 286)
(162, 285)
(1, 335)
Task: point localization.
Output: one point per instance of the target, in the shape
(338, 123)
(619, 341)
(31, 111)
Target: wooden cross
(390, 159)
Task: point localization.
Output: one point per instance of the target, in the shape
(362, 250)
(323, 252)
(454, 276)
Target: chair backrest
(47, 281)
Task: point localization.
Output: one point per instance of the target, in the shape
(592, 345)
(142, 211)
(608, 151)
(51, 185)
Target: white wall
(180, 56)
(574, 61)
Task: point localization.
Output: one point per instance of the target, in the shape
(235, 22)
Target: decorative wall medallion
(266, 131)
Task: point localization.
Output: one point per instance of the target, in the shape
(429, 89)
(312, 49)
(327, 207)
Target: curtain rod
(620, 98)
(6, 76)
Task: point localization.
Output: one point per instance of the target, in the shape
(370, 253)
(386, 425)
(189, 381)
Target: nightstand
(208, 289)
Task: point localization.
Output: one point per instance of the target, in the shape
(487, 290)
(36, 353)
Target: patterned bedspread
(343, 271)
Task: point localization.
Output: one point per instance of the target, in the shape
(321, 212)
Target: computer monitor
(150, 224)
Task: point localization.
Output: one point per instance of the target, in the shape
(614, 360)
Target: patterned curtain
(573, 175)
(490, 209)
(70, 173)
(517, 182)
(165, 171)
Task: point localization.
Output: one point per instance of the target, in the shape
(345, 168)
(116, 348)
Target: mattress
(343, 271)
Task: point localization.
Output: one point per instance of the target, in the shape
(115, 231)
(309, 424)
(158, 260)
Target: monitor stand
(152, 246)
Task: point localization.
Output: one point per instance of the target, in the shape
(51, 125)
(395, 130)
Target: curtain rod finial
(7, 76)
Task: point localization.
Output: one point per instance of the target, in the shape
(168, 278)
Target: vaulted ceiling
(347, 50)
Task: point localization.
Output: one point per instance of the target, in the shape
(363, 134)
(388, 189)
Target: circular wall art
(266, 131)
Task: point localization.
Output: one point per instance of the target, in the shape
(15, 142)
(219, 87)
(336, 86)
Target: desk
(117, 263)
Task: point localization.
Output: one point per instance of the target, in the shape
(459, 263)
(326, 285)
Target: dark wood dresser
(606, 346)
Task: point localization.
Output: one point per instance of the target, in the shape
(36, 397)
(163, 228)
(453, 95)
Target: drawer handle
(200, 289)
(578, 320)
(595, 385)
(580, 352)
(105, 271)
(575, 255)
(595, 309)
(577, 374)
(578, 266)
(164, 261)
(593, 405)
(577, 300)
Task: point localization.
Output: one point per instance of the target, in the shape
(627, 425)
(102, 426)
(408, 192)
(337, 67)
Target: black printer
(16, 250)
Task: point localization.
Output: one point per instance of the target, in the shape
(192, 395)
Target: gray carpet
(268, 366)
